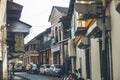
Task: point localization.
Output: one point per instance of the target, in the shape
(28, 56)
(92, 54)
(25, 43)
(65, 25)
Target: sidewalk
(16, 77)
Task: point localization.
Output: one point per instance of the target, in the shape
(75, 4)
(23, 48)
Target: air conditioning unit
(83, 43)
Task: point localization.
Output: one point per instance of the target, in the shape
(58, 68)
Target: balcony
(67, 34)
(45, 45)
(89, 11)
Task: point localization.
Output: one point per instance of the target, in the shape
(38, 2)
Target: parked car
(44, 69)
(57, 70)
(32, 68)
(28, 68)
(18, 67)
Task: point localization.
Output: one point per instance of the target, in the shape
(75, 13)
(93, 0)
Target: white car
(18, 67)
(57, 70)
(44, 69)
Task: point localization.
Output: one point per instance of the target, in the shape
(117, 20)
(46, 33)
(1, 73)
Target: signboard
(19, 39)
(55, 48)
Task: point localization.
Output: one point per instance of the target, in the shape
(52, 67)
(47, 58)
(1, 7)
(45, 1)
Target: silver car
(57, 70)
(44, 69)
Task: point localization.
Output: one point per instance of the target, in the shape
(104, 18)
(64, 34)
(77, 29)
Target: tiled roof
(61, 9)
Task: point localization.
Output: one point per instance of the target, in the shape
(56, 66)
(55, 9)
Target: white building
(97, 40)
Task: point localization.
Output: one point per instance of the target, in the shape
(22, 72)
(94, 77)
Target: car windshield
(47, 66)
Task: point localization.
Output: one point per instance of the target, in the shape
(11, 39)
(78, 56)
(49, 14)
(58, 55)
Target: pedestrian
(13, 68)
(10, 70)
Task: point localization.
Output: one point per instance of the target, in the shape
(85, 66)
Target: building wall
(95, 65)
(34, 59)
(57, 33)
(3, 46)
(51, 58)
(115, 37)
(95, 59)
(2, 23)
(78, 58)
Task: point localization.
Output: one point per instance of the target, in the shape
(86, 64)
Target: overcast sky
(36, 13)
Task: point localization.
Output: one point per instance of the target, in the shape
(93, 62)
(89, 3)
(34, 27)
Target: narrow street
(73, 39)
(36, 76)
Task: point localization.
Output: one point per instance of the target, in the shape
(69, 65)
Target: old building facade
(38, 49)
(31, 54)
(93, 45)
(95, 35)
(44, 47)
(57, 33)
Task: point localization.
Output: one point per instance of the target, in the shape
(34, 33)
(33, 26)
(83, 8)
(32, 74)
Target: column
(115, 39)
(83, 64)
(5, 65)
(61, 54)
(72, 64)
(95, 59)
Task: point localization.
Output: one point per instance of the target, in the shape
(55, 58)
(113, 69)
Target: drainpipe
(110, 55)
(104, 26)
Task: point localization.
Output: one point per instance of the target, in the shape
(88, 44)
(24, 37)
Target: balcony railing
(45, 45)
